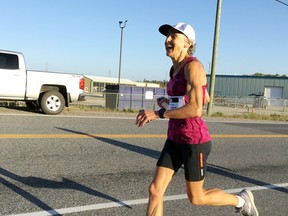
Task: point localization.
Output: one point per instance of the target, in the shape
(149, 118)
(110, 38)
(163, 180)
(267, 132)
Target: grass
(85, 108)
(254, 116)
(271, 117)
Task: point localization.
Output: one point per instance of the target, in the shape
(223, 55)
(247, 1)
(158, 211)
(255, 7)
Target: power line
(282, 2)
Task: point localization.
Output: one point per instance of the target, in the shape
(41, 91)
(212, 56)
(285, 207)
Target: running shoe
(249, 208)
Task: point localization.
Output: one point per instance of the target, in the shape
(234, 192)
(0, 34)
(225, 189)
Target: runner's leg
(195, 157)
(212, 197)
(162, 178)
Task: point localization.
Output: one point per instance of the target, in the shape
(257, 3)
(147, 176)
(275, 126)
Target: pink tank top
(191, 130)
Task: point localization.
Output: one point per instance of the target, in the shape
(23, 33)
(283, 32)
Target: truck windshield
(9, 61)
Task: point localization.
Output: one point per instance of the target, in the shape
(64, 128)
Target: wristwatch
(161, 112)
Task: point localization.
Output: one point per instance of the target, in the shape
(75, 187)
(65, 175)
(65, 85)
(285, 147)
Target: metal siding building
(99, 83)
(243, 86)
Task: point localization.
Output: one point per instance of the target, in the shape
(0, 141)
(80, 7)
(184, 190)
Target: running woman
(188, 139)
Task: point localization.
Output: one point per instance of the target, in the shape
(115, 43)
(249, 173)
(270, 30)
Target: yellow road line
(127, 136)
(249, 135)
(81, 136)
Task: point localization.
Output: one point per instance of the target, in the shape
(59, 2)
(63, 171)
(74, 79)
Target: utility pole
(282, 2)
(214, 58)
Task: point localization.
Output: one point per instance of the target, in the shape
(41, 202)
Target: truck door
(12, 77)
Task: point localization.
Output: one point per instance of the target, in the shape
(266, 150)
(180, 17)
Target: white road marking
(134, 202)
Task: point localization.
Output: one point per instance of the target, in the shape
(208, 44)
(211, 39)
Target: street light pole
(122, 25)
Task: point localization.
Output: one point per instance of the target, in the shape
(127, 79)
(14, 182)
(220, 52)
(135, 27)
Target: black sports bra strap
(171, 72)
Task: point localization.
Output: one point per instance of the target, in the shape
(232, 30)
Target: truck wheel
(52, 103)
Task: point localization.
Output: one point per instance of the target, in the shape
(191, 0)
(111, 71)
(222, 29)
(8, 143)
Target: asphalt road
(91, 165)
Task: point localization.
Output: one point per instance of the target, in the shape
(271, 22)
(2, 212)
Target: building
(98, 83)
(271, 88)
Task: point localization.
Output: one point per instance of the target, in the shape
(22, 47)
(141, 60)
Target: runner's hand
(145, 116)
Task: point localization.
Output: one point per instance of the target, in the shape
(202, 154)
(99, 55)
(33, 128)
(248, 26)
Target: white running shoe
(249, 208)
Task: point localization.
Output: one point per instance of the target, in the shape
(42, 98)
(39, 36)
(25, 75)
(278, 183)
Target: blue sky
(83, 36)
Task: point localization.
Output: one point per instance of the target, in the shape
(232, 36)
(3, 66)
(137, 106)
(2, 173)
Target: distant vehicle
(48, 91)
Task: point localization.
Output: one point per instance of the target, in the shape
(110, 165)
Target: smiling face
(176, 44)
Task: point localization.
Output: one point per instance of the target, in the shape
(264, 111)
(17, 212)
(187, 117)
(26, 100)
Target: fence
(121, 101)
(255, 102)
(226, 105)
(259, 105)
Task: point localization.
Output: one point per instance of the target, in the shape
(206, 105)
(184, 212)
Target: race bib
(176, 102)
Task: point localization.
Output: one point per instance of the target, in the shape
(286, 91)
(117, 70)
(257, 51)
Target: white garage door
(274, 95)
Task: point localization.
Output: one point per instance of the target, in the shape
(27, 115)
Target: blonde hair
(192, 47)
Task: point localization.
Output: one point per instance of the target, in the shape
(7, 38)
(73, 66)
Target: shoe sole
(251, 197)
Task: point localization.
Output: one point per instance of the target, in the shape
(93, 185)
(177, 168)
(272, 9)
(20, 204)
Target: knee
(156, 190)
(196, 200)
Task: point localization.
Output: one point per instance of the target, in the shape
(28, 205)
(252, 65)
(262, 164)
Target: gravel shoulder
(75, 111)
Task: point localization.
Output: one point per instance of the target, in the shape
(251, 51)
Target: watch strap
(161, 112)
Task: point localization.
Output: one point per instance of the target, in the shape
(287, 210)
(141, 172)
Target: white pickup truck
(47, 91)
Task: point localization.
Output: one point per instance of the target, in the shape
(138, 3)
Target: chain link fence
(225, 105)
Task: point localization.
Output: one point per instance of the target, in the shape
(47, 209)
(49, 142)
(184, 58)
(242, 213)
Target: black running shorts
(193, 157)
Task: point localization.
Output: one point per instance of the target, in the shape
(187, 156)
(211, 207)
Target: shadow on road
(154, 154)
(276, 129)
(36, 182)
